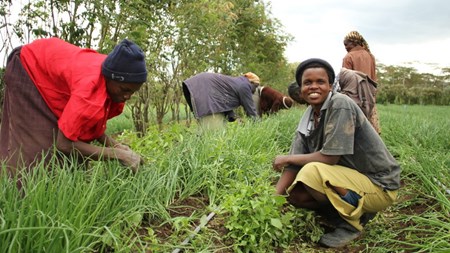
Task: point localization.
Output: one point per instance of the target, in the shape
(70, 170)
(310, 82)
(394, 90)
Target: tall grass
(420, 136)
(69, 210)
(102, 208)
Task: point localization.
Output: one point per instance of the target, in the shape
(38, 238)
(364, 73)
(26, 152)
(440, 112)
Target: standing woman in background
(360, 58)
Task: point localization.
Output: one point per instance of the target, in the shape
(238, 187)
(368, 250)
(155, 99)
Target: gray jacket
(215, 93)
(344, 130)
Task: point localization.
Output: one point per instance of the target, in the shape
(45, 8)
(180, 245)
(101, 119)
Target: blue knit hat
(314, 62)
(126, 63)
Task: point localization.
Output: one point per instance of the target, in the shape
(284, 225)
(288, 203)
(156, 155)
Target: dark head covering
(294, 93)
(314, 63)
(126, 63)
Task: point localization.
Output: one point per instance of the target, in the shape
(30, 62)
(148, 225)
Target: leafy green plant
(156, 142)
(255, 218)
(100, 209)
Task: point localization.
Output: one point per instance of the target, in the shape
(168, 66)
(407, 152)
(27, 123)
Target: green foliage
(156, 142)
(403, 85)
(65, 208)
(69, 210)
(418, 136)
(121, 123)
(255, 218)
(179, 38)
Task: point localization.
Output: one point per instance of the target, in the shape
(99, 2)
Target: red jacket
(70, 81)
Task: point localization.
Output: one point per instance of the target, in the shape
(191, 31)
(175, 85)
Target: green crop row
(189, 175)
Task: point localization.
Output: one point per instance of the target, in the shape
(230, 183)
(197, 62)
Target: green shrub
(258, 219)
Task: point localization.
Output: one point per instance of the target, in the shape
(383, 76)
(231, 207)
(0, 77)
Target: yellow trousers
(373, 198)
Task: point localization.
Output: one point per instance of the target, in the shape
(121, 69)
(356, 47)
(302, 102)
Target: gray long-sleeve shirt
(215, 93)
(344, 130)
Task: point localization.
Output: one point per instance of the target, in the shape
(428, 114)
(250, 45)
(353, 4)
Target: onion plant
(105, 207)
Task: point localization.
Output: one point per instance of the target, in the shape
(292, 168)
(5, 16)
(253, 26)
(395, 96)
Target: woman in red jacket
(57, 93)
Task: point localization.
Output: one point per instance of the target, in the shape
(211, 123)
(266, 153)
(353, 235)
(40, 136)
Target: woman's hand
(280, 162)
(122, 146)
(130, 159)
(111, 149)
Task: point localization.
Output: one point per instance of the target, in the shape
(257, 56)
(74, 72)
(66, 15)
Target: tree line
(183, 37)
(404, 85)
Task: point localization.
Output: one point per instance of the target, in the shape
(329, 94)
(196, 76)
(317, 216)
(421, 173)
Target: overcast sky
(398, 31)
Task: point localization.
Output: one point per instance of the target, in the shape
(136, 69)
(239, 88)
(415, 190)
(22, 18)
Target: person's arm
(107, 141)
(249, 105)
(230, 116)
(126, 156)
(282, 161)
(347, 62)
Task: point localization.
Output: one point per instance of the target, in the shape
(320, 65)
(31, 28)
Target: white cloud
(398, 32)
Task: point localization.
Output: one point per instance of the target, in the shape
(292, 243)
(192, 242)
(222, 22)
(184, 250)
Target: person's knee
(321, 198)
(311, 173)
(297, 195)
(311, 168)
(301, 198)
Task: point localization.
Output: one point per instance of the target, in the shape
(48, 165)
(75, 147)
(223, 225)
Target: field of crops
(213, 192)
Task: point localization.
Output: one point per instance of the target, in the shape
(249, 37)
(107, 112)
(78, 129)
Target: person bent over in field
(59, 96)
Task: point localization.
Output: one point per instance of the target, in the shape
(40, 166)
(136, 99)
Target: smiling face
(121, 92)
(315, 87)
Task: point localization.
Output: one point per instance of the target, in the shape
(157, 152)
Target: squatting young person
(338, 164)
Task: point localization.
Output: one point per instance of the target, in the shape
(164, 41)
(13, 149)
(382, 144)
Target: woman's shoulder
(341, 99)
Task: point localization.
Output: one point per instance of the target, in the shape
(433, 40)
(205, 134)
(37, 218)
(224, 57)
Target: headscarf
(252, 78)
(357, 38)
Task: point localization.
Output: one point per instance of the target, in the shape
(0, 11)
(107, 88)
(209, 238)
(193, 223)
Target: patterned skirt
(28, 126)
